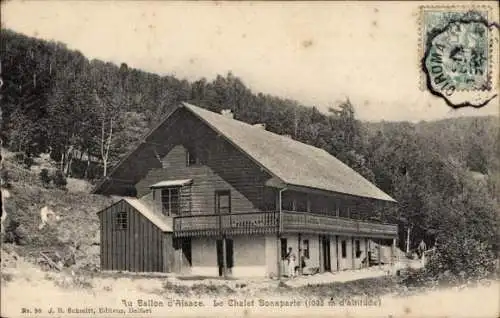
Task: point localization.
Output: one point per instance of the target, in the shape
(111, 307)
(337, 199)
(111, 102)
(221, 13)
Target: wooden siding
(141, 247)
(221, 167)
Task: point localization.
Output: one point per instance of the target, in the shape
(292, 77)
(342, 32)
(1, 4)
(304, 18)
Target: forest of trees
(444, 174)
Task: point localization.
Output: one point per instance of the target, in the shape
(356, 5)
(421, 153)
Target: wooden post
(393, 252)
(337, 252)
(300, 253)
(278, 254)
(321, 262)
(180, 256)
(353, 253)
(379, 253)
(366, 253)
(224, 257)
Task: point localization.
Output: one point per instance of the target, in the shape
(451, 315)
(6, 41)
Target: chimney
(227, 113)
(260, 126)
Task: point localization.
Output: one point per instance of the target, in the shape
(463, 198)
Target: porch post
(353, 253)
(224, 257)
(337, 252)
(300, 253)
(279, 230)
(393, 252)
(367, 257)
(180, 257)
(278, 253)
(321, 256)
(379, 253)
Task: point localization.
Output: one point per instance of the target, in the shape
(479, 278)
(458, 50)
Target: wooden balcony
(303, 222)
(226, 224)
(268, 222)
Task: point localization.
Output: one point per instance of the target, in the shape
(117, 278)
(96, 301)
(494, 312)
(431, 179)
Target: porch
(278, 222)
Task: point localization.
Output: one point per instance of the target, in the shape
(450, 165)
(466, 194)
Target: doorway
(183, 256)
(229, 256)
(325, 245)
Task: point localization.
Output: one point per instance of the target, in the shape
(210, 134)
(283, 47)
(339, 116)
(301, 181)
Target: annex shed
(135, 238)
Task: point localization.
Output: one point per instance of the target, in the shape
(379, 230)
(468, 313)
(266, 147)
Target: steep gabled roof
(291, 162)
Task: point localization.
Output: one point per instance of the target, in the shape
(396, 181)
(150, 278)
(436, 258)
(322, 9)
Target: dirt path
(98, 297)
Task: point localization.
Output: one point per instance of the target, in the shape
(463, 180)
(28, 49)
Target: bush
(45, 177)
(24, 160)
(458, 260)
(59, 180)
(28, 162)
(19, 157)
(5, 178)
(462, 257)
(15, 233)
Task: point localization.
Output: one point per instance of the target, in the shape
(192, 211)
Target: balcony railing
(307, 222)
(268, 222)
(227, 224)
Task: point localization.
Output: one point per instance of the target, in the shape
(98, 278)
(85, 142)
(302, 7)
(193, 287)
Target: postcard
(249, 158)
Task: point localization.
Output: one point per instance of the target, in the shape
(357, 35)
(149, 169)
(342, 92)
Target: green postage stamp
(459, 54)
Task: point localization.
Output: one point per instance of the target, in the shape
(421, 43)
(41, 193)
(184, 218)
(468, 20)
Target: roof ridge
(260, 130)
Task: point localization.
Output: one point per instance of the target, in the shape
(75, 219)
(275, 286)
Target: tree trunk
(105, 167)
(86, 173)
(408, 230)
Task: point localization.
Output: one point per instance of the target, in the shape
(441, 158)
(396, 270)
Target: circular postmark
(457, 63)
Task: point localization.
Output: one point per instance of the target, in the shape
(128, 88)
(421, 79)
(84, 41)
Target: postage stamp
(459, 54)
(248, 159)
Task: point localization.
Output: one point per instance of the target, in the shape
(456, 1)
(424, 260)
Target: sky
(318, 53)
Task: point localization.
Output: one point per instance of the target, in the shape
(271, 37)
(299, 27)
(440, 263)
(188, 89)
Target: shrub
(461, 257)
(6, 277)
(59, 180)
(28, 162)
(19, 157)
(458, 260)
(15, 233)
(45, 177)
(5, 178)
(23, 159)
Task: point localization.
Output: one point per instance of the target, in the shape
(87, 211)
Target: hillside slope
(73, 228)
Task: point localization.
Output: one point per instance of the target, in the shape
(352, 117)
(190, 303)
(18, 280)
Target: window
(344, 249)
(306, 248)
(191, 158)
(121, 221)
(222, 202)
(357, 248)
(170, 200)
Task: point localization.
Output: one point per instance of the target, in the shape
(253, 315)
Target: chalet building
(206, 194)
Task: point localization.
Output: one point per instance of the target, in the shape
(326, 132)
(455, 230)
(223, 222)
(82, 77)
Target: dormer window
(170, 200)
(171, 193)
(191, 158)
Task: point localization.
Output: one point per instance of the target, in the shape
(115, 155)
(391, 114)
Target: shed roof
(293, 162)
(148, 212)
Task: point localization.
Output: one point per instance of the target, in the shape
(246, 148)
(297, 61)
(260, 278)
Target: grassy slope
(78, 225)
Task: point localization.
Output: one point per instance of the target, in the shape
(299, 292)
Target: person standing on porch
(291, 262)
